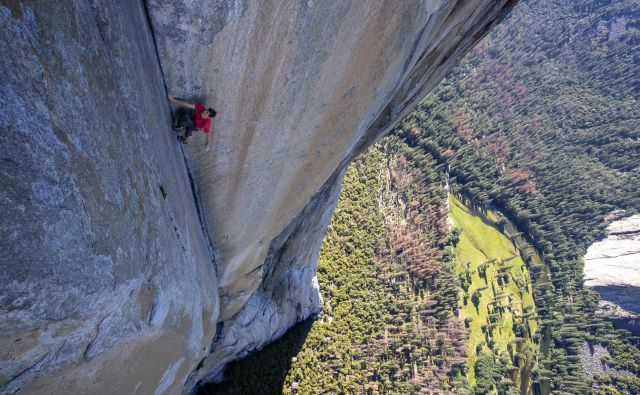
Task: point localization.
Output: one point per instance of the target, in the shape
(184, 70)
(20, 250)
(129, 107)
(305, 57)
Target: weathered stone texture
(109, 287)
(92, 254)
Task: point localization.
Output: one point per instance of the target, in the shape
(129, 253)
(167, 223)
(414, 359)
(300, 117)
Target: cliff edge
(132, 266)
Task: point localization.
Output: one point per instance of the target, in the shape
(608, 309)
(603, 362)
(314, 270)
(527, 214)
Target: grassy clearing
(496, 301)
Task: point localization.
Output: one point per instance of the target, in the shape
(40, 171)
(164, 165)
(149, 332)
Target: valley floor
(496, 299)
(397, 320)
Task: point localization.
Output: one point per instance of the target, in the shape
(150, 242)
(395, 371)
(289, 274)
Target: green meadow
(496, 300)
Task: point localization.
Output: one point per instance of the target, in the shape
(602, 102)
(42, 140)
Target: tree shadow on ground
(262, 372)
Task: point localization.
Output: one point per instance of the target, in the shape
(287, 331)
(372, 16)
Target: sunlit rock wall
(300, 87)
(612, 268)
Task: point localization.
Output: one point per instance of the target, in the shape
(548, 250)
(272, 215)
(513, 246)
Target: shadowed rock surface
(612, 268)
(98, 269)
(109, 282)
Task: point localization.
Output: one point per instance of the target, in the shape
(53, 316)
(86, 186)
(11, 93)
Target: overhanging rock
(108, 280)
(300, 88)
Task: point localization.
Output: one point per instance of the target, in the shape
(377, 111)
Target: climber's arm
(181, 102)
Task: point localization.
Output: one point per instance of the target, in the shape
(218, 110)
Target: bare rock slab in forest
(612, 268)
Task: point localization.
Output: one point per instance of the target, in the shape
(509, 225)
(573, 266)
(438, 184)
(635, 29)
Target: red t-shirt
(201, 123)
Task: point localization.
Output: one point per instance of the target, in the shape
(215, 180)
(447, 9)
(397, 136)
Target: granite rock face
(301, 88)
(105, 267)
(128, 269)
(612, 268)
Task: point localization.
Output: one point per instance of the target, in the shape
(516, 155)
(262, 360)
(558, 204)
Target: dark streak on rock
(86, 350)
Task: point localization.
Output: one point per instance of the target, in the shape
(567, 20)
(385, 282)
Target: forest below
(536, 131)
(540, 123)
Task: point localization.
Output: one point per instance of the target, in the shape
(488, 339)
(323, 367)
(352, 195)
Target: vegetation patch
(496, 300)
(390, 297)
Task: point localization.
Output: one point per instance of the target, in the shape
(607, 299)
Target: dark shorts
(183, 121)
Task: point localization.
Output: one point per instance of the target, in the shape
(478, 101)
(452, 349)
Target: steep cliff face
(301, 88)
(108, 247)
(105, 268)
(612, 268)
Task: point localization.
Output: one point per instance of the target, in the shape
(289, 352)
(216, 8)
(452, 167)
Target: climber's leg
(183, 119)
(187, 133)
(183, 123)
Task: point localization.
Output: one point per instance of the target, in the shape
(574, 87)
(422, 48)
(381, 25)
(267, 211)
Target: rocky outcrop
(123, 271)
(612, 268)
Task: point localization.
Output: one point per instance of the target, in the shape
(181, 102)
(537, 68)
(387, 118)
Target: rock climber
(193, 116)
